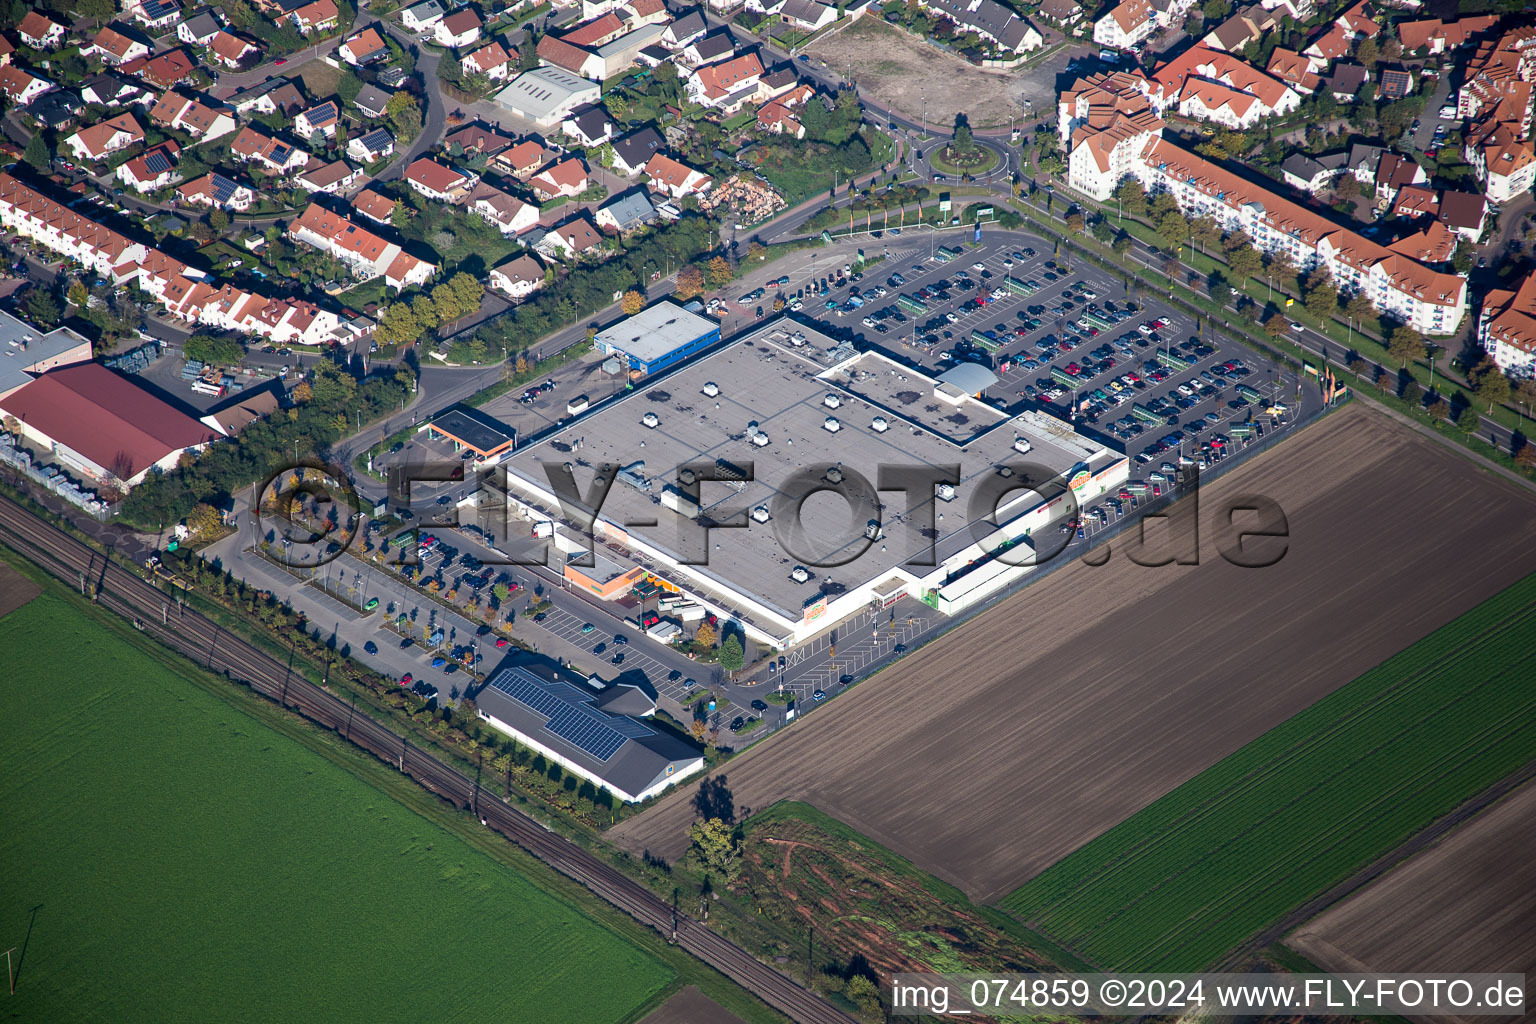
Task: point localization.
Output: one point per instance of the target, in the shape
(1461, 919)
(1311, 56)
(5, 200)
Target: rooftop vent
(687, 476)
(760, 513)
(832, 401)
(831, 425)
(1022, 445)
(834, 475)
(799, 575)
(760, 439)
(651, 420)
(879, 424)
(711, 389)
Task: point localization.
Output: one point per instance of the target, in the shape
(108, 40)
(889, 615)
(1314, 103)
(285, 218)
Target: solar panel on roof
(571, 717)
(157, 162)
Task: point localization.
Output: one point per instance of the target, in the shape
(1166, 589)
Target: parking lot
(1066, 339)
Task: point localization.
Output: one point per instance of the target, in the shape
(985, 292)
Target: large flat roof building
(27, 351)
(658, 337)
(769, 417)
(545, 95)
(469, 429)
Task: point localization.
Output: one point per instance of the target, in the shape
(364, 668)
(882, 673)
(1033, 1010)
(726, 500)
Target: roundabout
(978, 160)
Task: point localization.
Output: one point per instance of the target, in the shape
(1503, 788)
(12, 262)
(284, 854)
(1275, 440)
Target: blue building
(658, 337)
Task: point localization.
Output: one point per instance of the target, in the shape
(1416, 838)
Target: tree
(1075, 222)
(204, 520)
(42, 308)
(731, 655)
(404, 115)
(1468, 421)
(99, 11)
(398, 325)
(756, 250)
(218, 220)
(718, 272)
(690, 282)
(1438, 408)
(37, 153)
(964, 143)
(1359, 307)
(78, 295)
(705, 636)
(716, 844)
(1489, 382)
(214, 349)
(1122, 243)
(1347, 187)
(632, 302)
(1406, 345)
(1132, 197)
(866, 996)
(1244, 262)
(1322, 299)
(1368, 53)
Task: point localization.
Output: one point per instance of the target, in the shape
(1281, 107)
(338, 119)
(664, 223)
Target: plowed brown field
(989, 754)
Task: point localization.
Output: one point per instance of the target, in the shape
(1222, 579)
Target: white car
(1296, 327)
(978, 266)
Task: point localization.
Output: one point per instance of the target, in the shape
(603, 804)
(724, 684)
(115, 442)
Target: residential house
(708, 49)
(217, 192)
(376, 206)
(1000, 26)
(157, 15)
(7, 50)
(371, 148)
(100, 141)
(589, 126)
(197, 119)
(163, 70)
(1359, 22)
(1124, 25)
(518, 277)
(1309, 175)
(1245, 26)
(1465, 213)
(151, 170)
(334, 178)
(779, 118)
(232, 51)
(576, 237)
(1506, 328)
(1433, 36)
(114, 46)
(1294, 70)
(275, 155)
(458, 30)
(320, 119)
(1393, 173)
(439, 181)
(675, 179)
(477, 139)
(371, 101)
(523, 160)
(1395, 83)
(806, 15)
(726, 85)
(40, 32)
(274, 96)
(318, 17)
(1211, 85)
(1065, 13)
(628, 211)
(365, 254)
(684, 29)
(198, 30)
(1327, 47)
(492, 60)
(1346, 81)
(1430, 301)
(557, 53)
(510, 214)
(423, 17)
(592, 34)
(110, 89)
(363, 48)
(1415, 201)
(633, 151)
(567, 178)
(1106, 121)
(55, 111)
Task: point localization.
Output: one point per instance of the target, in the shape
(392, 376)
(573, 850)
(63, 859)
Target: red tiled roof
(433, 175)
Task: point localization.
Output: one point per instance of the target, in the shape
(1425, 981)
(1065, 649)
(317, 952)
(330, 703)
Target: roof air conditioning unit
(760, 514)
(832, 401)
(1022, 445)
(834, 475)
(945, 492)
(872, 530)
(832, 426)
(687, 477)
(651, 420)
(879, 424)
(800, 575)
(711, 389)
(760, 439)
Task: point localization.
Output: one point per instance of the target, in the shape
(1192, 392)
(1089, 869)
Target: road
(188, 632)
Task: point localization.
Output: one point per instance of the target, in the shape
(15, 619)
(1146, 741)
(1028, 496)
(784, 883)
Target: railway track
(203, 641)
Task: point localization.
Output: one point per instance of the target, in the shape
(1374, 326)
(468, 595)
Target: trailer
(1173, 362)
(1249, 395)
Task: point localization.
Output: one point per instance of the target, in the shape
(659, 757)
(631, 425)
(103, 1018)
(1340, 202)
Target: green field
(1199, 871)
(189, 863)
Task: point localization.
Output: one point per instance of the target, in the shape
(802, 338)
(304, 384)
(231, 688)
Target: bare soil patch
(690, 1006)
(15, 589)
(988, 755)
(1468, 903)
(898, 70)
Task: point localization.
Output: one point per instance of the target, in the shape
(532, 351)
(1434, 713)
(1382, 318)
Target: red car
(405, 680)
(280, 62)
(501, 641)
